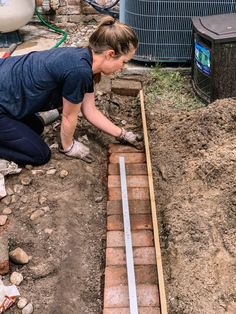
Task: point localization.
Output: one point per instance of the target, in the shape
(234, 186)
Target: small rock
(45, 209)
(3, 220)
(7, 211)
(26, 180)
(38, 213)
(48, 231)
(16, 278)
(6, 200)
(18, 188)
(9, 191)
(98, 199)
(22, 303)
(28, 309)
(123, 122)
(51, 171)
(63, 173)
(54, 146)
(38, 172)
(15, 198)
(24, 199)
(29, 167)
(18, 256)
(42, 199)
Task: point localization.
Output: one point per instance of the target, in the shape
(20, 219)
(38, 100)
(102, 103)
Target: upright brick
(130, 158)
(118, 148)
(135, 207)
(140, 238)
(126, 310)
(138, 222)
(130, 169)
(133, 194)
(132, 181)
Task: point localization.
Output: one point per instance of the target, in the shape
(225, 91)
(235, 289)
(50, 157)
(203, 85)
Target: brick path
(116, 299)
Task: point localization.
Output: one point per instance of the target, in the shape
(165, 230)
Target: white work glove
(78, 150)
(130, 138)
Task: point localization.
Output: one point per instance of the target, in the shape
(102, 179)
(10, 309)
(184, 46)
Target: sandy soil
(194, 164)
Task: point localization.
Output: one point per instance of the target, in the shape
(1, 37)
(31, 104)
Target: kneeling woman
(41, 81)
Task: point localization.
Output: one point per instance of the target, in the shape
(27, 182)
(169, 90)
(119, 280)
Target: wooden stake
(161, 282)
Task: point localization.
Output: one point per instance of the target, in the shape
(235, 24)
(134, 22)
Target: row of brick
(116, 296)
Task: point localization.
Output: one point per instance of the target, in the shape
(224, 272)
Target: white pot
(15, 14)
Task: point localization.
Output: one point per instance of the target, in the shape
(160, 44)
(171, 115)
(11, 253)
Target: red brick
(130, 169)
(147, 295)
(135, 207)
(125, 310)
(4, 256)
(125, 87)
(117, 275)
(118, 148)
(130, 158)
(142, 256)
(138, 222)
(132, 181)
(140, 238)
(133, 194)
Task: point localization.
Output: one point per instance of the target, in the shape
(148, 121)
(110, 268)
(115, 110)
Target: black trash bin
(214, 56)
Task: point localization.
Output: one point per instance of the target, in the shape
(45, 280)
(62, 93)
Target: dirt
(67, 243)
(194, 167)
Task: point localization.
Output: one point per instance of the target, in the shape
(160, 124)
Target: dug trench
(193, 160)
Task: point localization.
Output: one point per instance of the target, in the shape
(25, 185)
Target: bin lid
(221, 27)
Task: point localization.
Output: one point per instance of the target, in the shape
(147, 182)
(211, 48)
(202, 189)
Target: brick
(130, 158)
(133, 194)
(4, 256)
(138, 222)
(147, 295)
(135, 207)
(125, 87)
(130, 169)
(118, 148)
(142, 256)
(117, 275)
(125, 310)
(140, 238)
(132, 181)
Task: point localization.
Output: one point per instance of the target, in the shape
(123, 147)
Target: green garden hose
(56, 29)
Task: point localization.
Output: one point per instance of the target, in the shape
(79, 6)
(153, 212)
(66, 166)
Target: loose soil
(194, 166)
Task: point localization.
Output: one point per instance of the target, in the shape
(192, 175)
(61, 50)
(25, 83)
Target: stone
(51, 171)
(24, 199)
(28, 309)
(42, 199)
(16, 278)
(38, 172)
(6, 200)
(98, 199)
(7, 211)
(18, 188)
(22, 303)
(26, 180)
(15, 198)
(9, 191)
(3, 220)
(37, 214)
(64, 173)
(19, 256)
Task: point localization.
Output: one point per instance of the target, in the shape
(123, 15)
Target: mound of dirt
(194, 163)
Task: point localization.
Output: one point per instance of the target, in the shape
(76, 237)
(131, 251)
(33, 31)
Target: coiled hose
(56, 29)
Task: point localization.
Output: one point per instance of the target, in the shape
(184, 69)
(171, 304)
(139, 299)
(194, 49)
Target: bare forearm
(67, 131)
(96, 118)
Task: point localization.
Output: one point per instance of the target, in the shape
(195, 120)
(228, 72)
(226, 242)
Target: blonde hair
(112, 34)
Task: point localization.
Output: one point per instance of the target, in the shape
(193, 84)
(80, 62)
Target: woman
(41, 81)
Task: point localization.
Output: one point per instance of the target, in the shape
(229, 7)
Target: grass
(173, 88)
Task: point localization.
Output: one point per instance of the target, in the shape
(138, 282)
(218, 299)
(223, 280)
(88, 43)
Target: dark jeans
(20, 141)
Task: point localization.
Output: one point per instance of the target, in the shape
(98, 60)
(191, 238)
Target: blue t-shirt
(37, 81)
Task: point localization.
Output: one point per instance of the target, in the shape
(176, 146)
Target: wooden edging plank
(163, 302)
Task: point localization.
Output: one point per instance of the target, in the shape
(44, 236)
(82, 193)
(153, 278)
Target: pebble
(7, 211)
(51, 171)
(19, 256)
(123, 122)
(48, 231)
(16, 278)
(9, 191)
(15, 198)
(22, 303)
(26, 180)
(42, 199)
(29, 167)
(63, 173)
(38, 213)
(3, 220)
(38, 172)
(98, 199)
(18, 188)
(24, 199)
(28, 309)
(6, 200)
(45, 209)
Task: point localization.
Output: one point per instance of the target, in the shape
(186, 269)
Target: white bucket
(15, 14)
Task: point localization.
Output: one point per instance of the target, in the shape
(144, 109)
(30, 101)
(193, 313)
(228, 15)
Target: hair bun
(107, 21)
